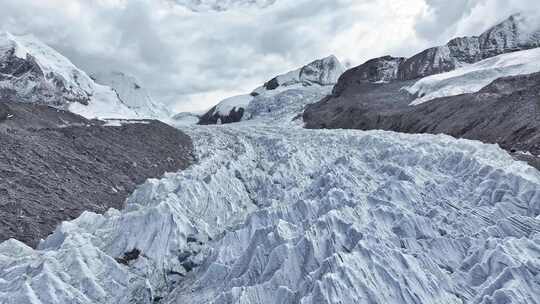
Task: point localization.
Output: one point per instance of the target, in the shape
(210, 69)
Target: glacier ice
(275, 214)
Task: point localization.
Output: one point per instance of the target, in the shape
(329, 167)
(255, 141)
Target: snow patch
(472, 78)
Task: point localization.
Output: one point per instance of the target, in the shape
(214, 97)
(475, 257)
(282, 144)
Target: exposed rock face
(54, 165)
(516, 33)
(431, 61)
(317, 74)
(31, 72)
(506, 112)
(383, 69)
(323, 72)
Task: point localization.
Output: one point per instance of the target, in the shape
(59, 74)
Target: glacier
(472, 78)
(273, 213)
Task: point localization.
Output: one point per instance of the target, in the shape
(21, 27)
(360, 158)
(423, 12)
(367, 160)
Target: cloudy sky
(192, 53)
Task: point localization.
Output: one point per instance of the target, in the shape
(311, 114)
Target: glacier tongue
(285, 215)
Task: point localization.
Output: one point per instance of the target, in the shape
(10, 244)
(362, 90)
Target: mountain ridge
(318, 74)
(33, 72)
(510, 35)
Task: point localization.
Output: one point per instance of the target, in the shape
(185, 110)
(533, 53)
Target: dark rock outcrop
(506, 112)
(55, 164)
(212, 117)
(383, 69)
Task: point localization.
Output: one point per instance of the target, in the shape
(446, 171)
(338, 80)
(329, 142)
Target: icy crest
(132, 94)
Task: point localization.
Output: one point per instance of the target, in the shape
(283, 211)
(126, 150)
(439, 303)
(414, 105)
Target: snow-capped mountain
(518, 32)
(513, 34)
(222, 5)
(321, 72)
(472, 78)
(33, 72)
(316, 77)
(132, 94)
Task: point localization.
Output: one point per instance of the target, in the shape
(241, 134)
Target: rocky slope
(318, 75)
(55, 165)
(506, 112)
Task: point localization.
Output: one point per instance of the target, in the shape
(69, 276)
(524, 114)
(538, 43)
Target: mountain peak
(325, 71)
(33, 72)
(322, 72)
(316, 77)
